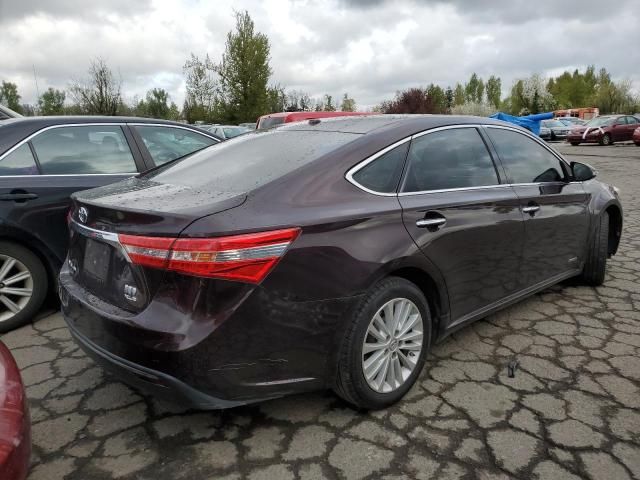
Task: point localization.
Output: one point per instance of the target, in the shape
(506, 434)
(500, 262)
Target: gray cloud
(369, 49)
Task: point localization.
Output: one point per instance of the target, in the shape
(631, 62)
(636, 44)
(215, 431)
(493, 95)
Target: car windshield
(600, 121)
(231, 132)
(552, 123)
(269, 122)
(250, 161)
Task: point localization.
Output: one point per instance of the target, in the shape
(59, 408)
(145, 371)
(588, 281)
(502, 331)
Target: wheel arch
(615, 228)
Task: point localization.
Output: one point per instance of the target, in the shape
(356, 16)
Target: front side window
(91, 149)
(524, 159)
(383, 174)
(168, 143)
(453, 158)
(19, 162)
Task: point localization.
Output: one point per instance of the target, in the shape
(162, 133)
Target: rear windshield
(269, 122)
(251, 160)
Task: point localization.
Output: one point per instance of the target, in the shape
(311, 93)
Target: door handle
(434, 223)
(17, 197)
(531, 209)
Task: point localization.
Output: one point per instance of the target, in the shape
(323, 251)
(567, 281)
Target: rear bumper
(150, 381)
(216, 352)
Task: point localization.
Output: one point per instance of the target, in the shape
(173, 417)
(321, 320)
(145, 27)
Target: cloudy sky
(368, 48)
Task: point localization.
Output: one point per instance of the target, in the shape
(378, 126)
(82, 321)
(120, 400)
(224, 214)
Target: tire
(575, 144)
(595, 266)
(351, 383)
(606, 140)
(637, 144)
(15, 309)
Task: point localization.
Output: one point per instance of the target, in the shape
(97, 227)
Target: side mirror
(582, 172)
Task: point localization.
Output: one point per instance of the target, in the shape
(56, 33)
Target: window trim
(122, 126)
(480, 126)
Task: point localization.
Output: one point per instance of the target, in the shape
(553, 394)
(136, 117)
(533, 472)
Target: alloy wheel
(16, 287)
(392, 345)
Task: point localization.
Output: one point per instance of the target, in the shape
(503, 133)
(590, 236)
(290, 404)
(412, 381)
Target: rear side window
(251, 160)
(524, 159)
(453, 158)
(168, 143)
(91, 149)
(19, 162)
(383, 174)
(632, 120)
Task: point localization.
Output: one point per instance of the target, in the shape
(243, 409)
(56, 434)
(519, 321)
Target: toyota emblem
(83, 214)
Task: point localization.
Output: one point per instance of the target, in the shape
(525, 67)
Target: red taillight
(248, 257)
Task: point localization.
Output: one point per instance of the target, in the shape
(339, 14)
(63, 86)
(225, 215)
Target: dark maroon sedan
(604, 130)
(328, 253)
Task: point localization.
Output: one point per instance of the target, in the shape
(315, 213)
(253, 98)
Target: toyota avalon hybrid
(330, 253)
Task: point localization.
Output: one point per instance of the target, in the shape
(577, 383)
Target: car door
(463, 218)
(160, 144)
(38, 176)
(618, 129)
(555, 209)
(632, 124)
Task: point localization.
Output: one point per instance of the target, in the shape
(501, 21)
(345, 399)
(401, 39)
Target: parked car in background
(545, 133)
(43, 160)
(571, 121)
(249, 125)
(275, 119)
(15, 425)
(6, 113)
(226, 132)
(636, 136)
(235, 291)
(605, 130)
(559, 130)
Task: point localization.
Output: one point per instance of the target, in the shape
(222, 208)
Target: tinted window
(251, 160)
(525, 160)
(83, 150)
(455, 158)
(19, 162)
(169, 143)
(383, 174)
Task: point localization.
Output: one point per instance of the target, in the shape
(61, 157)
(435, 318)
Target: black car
(43, 160)
(329, 253)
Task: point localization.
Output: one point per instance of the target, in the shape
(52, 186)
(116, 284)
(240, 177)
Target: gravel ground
(572, 410)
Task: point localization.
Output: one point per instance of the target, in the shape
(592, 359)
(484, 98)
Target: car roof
(402, 124)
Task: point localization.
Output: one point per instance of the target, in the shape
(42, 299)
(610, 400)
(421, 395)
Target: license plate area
(97, 257)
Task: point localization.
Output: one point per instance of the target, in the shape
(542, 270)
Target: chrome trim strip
(109, 237)
(461, 189)
(99, 124)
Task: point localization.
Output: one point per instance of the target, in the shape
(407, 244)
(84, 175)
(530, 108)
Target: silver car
(559, 130)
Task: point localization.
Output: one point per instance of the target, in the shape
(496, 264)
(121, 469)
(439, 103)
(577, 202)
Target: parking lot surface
(571, 411)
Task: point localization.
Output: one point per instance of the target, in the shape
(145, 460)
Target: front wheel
(575, 144)
(386, 342)
(596, 264)
(23, 285)
(606, 140)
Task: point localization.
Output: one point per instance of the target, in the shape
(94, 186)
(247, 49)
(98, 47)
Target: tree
(328, 105)
(9, 96)
(494, 91)
(276, 99)
(348, 104)
(458, 95)
(100, 93)
(437, 98)
(157, 103)
(480, 109)
(244, 72)
(51, 102)
(412, 100)
(450, 98)
(530, 95)
(174, 113)
(471, 88)
(200, 98)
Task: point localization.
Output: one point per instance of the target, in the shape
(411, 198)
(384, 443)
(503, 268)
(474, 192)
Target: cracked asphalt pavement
(571, 411)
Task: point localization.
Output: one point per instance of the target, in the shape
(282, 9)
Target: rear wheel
(575, 144)
(637, 144)
(23, 285)
(606, 140)
(595, 266)
(385, 345)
